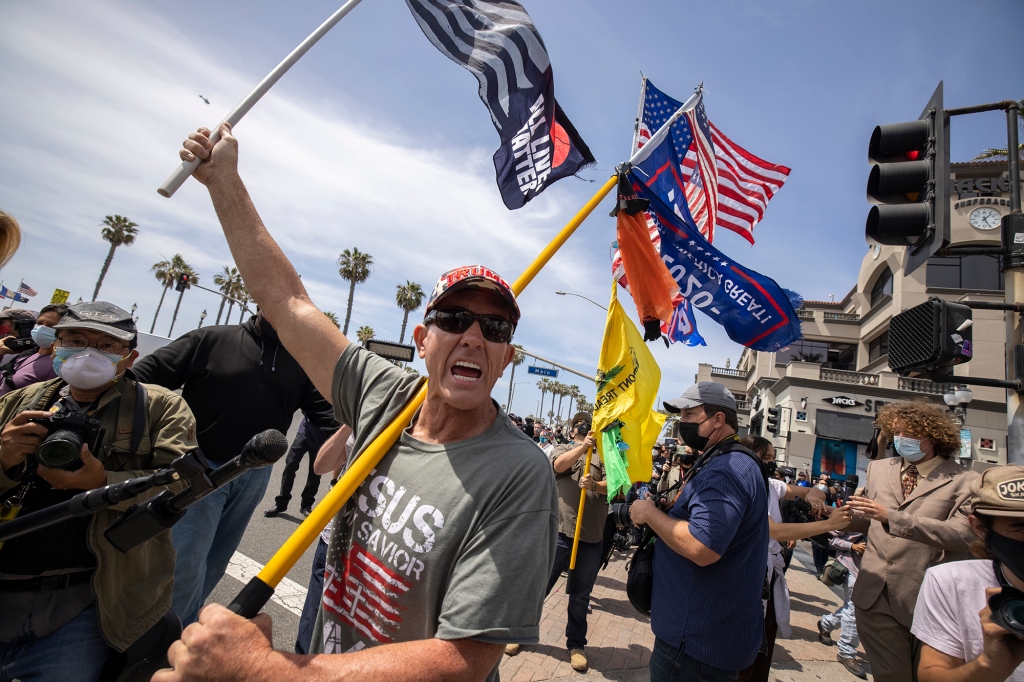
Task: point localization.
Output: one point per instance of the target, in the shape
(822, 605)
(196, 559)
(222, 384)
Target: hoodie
(238, 382)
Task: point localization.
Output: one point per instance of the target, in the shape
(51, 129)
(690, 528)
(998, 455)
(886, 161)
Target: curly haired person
(914, 509)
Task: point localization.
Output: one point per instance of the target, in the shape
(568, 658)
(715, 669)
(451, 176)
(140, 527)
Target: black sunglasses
(457, 320)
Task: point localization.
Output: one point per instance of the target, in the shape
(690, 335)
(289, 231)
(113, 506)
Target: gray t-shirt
(451, 540)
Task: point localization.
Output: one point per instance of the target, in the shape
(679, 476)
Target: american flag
(744, 183)
(27, 290)
(367, 595)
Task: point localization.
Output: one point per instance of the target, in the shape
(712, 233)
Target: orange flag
(650, 282)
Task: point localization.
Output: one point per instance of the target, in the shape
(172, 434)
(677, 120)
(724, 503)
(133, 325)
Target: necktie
(909, 480)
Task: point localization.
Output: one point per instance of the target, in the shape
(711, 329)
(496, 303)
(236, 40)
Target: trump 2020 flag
(755, 311)
(497, 41)
(627, 386)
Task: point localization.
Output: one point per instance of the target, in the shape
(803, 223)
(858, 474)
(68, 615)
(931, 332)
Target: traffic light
(930, 338)
(183, 281)
(909, 184)
(773, 420)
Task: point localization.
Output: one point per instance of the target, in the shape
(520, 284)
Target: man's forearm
(973, 671)
(565, 460)
(676, 534)
(429, 660)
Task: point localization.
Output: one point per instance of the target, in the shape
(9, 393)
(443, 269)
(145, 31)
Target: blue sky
(376, 140)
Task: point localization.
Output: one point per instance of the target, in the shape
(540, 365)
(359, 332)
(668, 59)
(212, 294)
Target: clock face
(985, 218)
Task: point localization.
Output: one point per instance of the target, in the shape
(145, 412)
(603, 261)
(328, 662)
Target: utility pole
(1013, 271)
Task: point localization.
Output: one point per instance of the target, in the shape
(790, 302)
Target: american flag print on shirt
(368, 595)
(744, 183)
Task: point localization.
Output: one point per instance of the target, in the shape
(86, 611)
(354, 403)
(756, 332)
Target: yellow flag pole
(257, 592)
(579, 522)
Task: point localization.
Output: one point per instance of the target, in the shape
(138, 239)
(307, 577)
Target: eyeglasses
(79, 342)
(457, 320)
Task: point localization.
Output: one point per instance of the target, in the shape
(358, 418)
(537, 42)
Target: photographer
(960, 641)
(35, 364)
(67, 596)
(712, 548)
(776, 615)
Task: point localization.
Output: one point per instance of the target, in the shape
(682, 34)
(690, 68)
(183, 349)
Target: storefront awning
(844, 426)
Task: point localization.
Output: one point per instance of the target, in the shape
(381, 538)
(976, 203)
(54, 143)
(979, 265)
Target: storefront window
(980, 273)
(882, 288)
(878, 347)
(830, 355)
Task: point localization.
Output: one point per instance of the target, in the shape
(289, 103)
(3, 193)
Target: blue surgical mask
(908, 448)
(543, 439)
(43, 336)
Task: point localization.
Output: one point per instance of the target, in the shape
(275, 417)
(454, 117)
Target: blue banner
(682, 328)
(755, 311)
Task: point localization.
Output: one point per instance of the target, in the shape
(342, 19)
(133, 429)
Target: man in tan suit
(917, 506)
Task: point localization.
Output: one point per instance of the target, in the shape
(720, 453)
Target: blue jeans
(208, 535)
(313, 596)
(669, 664)
(588, 563)
(75, 651)
(845, 618)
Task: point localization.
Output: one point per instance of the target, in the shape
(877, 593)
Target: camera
(62, 448)
(22, 336)
(620, 510)
(1008, 610)
(799, 511)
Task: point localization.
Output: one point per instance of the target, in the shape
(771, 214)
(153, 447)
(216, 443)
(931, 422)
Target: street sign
(390, 350)
(542, 371)
(59, 296)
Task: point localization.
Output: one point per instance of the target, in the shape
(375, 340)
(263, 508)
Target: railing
(840, 317)
(924, 386)
(727, 372)
(742, 404)
(843, 377)
(805, 314)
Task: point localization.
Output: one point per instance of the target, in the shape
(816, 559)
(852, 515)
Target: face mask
(1008, 551)
(822, 487)
(908, 448)
(85, 369)
(770, 467)
(43, 336)
(543, 439)
(688, 460)
(688, 431)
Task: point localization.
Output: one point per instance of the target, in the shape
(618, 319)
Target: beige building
(829, 385)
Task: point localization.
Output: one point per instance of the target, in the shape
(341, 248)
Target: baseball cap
(1000, 491)
(703, 393)
(102, 317)
(582, 417)
(18, 314)
(473, 276)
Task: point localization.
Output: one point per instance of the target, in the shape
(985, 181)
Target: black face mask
(1009, 552)
(770, 467)
(688, 432)
(687, 460)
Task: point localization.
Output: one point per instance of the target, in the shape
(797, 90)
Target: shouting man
(427, 577)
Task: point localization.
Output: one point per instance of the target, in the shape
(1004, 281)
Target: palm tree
(225, 282)
(184, 269)
(333, 318)
(164, 272)
(242, 294)
(561, 390)
(119, 231)
(544, 385)
(364, 334)
(354, 266)
(409, 297)
(574, 394)
(517, 360)
(993, 152)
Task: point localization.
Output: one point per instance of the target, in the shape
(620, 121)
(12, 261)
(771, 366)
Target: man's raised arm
(270, 279)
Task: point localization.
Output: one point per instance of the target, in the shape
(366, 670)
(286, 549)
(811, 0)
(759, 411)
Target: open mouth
(466, 371)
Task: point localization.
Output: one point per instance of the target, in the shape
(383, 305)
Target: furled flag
(680, 170)
(497, 41)
(627, 387)
(26, 289)
(682, 328)
(755, 311)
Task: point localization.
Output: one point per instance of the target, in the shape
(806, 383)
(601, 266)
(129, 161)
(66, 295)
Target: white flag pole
(179, 176)
(657, 137)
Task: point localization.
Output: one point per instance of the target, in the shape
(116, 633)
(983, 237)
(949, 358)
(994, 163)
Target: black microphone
(145, 521)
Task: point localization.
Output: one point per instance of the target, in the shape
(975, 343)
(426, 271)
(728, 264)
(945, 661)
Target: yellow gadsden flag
(627, 386)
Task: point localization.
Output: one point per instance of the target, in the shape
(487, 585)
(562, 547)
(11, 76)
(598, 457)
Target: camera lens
(1012, 611)
(620, 515)
(60, 450)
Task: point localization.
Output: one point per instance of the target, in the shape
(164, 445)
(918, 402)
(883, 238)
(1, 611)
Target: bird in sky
(204, 99)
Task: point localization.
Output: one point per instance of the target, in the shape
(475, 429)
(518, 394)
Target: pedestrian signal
(930, 338)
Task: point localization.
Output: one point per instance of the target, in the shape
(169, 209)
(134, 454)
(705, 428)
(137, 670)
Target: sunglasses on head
(457, 320)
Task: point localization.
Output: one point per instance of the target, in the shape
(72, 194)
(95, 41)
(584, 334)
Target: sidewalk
(620, 639)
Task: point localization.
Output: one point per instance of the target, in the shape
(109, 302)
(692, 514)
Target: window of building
(830, 355)
(883, 287)
(878, 347)
(980, 273)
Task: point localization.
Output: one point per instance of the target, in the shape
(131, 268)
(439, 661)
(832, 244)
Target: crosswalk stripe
(288, 593)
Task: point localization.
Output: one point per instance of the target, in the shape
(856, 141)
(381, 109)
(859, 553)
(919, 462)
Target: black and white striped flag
(497, 41)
